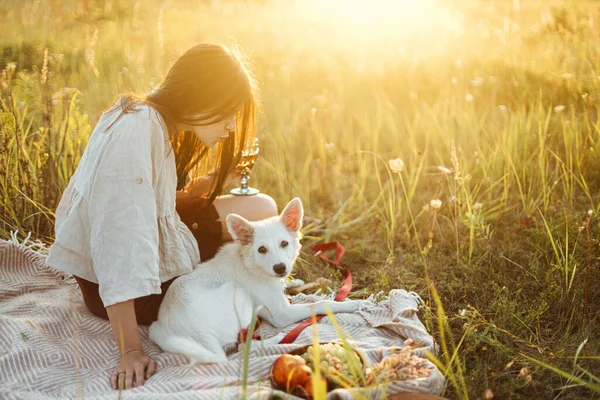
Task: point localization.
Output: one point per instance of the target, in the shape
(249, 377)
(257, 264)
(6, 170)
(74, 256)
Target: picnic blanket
(52, 347)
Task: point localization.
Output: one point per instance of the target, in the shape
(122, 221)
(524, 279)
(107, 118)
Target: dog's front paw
(348, 306)
(356, 305)
(366, 305)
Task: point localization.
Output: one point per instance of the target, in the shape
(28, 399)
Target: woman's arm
(200, 186)
(134, 361)
(124, 232)
(124, 325)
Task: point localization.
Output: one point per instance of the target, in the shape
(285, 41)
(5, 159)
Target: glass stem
(244, 180)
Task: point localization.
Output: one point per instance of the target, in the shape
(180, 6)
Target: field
(487, 110)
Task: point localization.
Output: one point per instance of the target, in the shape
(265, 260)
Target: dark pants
(204, 223)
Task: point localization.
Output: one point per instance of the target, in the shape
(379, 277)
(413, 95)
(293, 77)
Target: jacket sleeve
(123, 210)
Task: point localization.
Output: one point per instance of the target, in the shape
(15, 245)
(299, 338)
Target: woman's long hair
(207, 84)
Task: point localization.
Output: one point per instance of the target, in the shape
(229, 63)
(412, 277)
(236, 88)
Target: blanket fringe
(36, 246)
(39, 249)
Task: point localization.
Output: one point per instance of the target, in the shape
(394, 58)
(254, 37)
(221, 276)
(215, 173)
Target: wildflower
(10, 68)
(590, 212)
(72, 91)
(462, 312)
(435, 204)
(453, 198)
(469, 97)
(524, 374)
(57, 56)
(396, 165)
(444, 170)
(477, 81)
(559, 108)
(477, 206)
(313, 110)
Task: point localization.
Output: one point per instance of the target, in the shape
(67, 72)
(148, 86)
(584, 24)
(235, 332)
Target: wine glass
(246, 163)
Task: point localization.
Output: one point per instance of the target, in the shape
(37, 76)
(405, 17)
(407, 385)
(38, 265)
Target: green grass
(508, 266)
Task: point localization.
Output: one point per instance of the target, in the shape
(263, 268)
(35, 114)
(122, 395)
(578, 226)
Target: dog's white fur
(203, 311)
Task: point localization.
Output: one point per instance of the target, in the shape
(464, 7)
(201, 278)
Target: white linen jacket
(116, 223)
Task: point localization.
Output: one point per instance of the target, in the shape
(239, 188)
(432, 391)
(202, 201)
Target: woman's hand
(135, 366)
(233, 175)
(200, 186)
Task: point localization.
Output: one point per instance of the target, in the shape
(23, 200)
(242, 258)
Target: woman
(129, 221)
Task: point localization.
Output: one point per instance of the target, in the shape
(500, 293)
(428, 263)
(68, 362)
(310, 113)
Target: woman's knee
(265, 205)
(253, 208)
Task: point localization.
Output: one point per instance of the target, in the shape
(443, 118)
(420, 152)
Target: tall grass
(492, 106)
(43, 134)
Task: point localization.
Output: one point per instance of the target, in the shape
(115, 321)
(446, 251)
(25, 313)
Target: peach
(290, 370)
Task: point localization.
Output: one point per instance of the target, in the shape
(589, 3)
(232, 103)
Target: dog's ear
(292, 215)
(240, 229)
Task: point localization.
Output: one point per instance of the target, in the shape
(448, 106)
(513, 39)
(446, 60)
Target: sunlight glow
(364, 22)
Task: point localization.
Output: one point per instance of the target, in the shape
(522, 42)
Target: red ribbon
(341, 295)
(244, 333)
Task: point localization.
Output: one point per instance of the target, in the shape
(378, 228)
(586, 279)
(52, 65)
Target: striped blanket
(51, 347)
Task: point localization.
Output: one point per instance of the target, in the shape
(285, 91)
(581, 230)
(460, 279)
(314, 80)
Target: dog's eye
(284, 243)
(262, 250)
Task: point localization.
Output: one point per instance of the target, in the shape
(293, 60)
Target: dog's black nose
(279, 268)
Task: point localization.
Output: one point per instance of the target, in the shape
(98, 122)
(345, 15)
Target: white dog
(203, 311)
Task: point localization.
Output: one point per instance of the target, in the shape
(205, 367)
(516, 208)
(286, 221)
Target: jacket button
(138, 179)
(195, 226)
